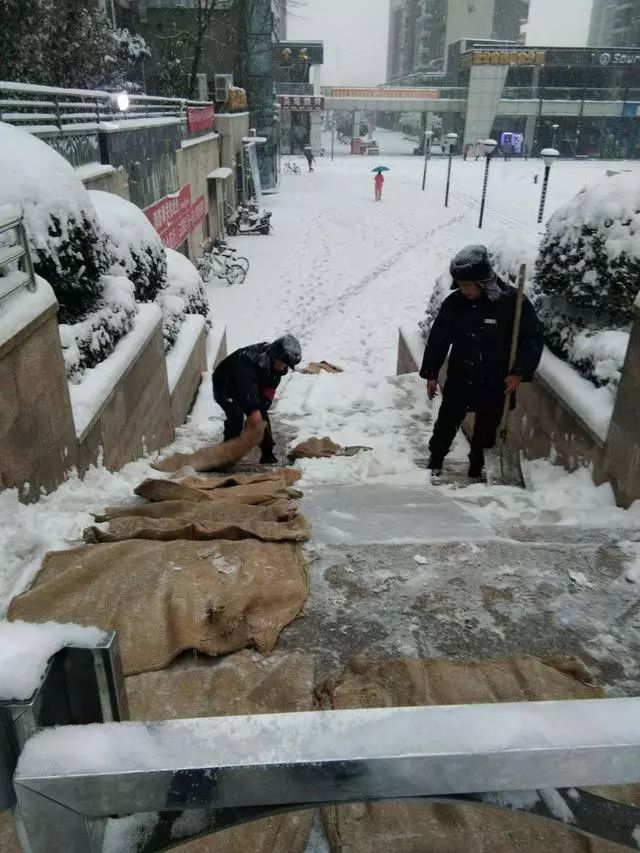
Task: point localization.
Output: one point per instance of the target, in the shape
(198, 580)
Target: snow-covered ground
(343, 273)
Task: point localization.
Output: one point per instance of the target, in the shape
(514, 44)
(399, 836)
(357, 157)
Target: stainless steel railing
(16, 268)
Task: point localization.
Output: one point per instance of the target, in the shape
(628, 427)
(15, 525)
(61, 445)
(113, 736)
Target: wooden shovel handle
(515, 340)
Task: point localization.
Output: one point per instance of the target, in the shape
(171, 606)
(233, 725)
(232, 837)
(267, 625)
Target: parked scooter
(249, 219)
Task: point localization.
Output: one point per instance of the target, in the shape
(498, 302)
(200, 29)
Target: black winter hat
(472, 264)
(287, 349)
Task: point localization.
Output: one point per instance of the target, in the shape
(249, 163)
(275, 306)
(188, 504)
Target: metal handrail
(16, 267)
(50, 106)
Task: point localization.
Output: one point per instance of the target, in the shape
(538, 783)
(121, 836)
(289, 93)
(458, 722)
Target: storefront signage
(616, 58)
(200, 118)
(301, 104)
(505, 57)
(175, 216)
(401, 93)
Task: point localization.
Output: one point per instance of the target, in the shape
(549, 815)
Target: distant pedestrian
(378, 183)
(465, 151)
(308, 153)
(525, 151)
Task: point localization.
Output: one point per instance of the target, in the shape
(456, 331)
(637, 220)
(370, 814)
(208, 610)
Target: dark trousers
(234, 422)
(452, 412)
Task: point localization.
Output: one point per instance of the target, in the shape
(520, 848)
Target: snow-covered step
(377, 513)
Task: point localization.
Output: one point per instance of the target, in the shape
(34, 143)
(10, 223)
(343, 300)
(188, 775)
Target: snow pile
(25, 650)
(588, 275)
(90, 341)
(631, 551)
(67, 246)
(184, 294)
(21, 308)
(134, 245)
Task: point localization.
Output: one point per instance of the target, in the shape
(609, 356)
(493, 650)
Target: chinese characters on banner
(200, 118)
(175, 216)
(302, 104)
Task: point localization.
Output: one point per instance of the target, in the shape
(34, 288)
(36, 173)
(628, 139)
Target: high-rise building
(615, 23)
(421, 30)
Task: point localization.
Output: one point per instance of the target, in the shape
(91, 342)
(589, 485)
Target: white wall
(476, 24)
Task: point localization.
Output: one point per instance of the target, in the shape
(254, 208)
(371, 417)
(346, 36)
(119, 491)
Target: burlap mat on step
(316, 367)
(218, 455)
(405, 828)
(322, 448)
(168, 520)
(191, 489)
(165, 597)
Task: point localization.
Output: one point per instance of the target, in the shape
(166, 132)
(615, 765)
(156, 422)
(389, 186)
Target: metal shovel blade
(503, 466)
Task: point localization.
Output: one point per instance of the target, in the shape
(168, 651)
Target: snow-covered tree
(588, 275)
(65, 43)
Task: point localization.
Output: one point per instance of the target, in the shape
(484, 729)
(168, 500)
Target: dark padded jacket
(476, 334)
(247, 376)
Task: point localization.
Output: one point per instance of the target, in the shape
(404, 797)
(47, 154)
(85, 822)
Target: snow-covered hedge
(184, 294)
(89, 341)
(67, 245)
(135, 248)
(588, 275)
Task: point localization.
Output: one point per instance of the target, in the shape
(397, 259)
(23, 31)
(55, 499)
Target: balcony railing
(50, 109)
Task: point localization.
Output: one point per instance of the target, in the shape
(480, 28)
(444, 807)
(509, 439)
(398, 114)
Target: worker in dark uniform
(245, 384)
(474, 328)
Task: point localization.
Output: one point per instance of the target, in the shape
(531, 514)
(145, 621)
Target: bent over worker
(474, 327)
(245, 384)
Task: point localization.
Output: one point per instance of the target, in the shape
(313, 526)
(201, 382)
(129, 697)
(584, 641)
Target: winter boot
(435, 466)
(476, 466)
(268, 459)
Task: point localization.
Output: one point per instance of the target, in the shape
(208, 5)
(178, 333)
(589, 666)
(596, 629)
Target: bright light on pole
(451, 138)
(554, 128)
(489, 146)
(428, 134)
(548, 155)
(123, 101)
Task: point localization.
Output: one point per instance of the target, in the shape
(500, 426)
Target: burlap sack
(224, 481)
(218, 511)
(242, 683)
(165, 597)
(198, 521)
(409, 828)
(217, 456)
(322, 448)
(264, 492)
(316, 367)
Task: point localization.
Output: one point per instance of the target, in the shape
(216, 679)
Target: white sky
(355, 33)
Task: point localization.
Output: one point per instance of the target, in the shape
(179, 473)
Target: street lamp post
(548, 155)
(452, 139)
(428, 134)
(489, 146)
(554, 128)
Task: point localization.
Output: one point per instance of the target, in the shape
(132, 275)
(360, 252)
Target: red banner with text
(200, 118)
(175, 216)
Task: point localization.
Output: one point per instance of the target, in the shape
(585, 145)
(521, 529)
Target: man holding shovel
(475, 327)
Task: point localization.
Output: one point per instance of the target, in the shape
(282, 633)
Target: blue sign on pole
(631, 110)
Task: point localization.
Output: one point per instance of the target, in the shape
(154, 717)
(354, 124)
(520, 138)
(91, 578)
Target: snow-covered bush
(89, 341)
(67, 245)
(134, 245)
(184, 294)
(588, 275)
(441, 290)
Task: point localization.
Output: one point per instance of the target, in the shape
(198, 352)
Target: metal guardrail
(16, 268)
(230, 770)
(51, 109)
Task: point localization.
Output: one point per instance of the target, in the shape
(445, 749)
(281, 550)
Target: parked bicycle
(220, 264)
(292, 168)
(232, 255)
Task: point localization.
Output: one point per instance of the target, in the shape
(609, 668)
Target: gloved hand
(432, 388)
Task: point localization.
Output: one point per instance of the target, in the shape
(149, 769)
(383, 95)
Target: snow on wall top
(182, 275)
(25, 650)
(612, 207)
(127, 226)
(22, 307)
(40, 182)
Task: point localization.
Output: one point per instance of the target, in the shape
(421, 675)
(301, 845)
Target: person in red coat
(379, 183)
